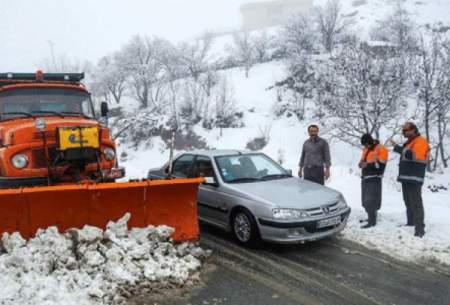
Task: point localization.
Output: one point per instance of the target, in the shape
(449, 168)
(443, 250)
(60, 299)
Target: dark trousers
(412, 195)
(315, 174)
(371, 197)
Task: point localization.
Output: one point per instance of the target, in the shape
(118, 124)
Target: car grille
(38, 155)
(324, 210)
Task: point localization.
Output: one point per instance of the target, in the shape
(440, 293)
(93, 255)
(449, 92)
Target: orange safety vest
(376, 159)
(414, 160)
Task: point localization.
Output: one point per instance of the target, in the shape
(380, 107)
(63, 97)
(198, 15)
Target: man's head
(410, 130)
(313, 131)
(367, 140)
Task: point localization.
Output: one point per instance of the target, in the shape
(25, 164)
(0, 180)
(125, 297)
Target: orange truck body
(42, 189)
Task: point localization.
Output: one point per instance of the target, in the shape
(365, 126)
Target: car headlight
(342, 205)
(289, 214)
(19, 161)
(109, 154)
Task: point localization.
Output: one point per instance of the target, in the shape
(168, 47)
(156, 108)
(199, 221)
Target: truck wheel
(244, 228)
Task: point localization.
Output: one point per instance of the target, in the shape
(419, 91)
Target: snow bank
(92, 266)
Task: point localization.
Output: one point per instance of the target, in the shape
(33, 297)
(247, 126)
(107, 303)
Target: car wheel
(244, 228)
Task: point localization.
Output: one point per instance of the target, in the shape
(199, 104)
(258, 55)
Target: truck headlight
(289, 214)
(109, 154)
(19, 161)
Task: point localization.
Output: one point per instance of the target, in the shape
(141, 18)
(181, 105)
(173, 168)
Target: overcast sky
(89, 29)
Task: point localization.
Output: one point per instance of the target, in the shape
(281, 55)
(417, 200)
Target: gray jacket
(315, 154)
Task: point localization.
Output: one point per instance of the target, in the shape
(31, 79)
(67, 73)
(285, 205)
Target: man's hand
(327, 173)
(392, 142)
(362, 164)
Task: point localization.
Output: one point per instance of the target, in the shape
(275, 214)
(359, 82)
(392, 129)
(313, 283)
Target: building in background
(258, 15)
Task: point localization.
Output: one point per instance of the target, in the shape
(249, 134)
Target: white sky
(89, 29)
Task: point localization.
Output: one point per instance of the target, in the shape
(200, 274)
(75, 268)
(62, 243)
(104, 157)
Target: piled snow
(94, 267)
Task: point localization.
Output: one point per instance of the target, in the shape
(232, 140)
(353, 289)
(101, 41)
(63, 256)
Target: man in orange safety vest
(413, 162)
(373, 162)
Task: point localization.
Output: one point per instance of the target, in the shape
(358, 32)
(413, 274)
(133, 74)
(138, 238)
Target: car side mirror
(210, 181)
(104, 109)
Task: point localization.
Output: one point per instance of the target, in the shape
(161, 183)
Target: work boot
(419, 232)
(368, 225)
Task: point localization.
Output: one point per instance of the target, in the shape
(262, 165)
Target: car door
(183, 165)
(209, 207)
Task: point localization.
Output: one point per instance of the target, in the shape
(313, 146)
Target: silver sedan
(255, 198)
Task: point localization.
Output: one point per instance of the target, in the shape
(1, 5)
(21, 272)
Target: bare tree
(194, 101)
(243, 50)
(331, 23)
(63, 64)
(225, 104)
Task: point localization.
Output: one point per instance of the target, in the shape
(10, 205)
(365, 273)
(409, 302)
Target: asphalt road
(331, 271)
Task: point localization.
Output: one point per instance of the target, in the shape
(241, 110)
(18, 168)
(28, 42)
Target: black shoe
(407, 225)
(366, 226)
(419, 234)
(363, 220)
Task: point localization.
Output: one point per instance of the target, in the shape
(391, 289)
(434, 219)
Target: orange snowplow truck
(58, 164)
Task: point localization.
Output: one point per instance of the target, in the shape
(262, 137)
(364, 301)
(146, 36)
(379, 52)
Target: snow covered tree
(141, 58)
(262, 44)
(362, 92)
(331, 24)
(109, 78)
(196, 56)
(397, 28)
(298, 36)
(431, 76)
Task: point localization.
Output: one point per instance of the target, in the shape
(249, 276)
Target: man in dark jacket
(373, 162)
(315, 158)
(413, 163)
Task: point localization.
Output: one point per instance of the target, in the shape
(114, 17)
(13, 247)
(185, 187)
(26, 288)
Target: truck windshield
(28, 102)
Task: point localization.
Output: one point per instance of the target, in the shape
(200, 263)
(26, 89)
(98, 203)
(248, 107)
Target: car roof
(220, 152)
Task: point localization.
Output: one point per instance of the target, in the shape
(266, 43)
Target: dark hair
(366, 139)
(313, 126)
(413, 126)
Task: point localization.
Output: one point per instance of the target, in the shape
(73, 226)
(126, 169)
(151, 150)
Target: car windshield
(27, 102)
(249, 168)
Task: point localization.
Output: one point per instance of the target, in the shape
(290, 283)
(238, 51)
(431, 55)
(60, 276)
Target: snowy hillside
(367, 13)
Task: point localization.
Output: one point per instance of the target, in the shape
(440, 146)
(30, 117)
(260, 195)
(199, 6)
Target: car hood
(288, 193)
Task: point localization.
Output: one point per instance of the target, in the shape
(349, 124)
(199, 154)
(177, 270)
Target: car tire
(244, 228)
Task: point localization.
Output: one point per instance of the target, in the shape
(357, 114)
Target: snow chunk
(92, 266)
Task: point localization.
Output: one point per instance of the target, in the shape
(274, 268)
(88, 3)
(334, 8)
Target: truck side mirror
(104, 109)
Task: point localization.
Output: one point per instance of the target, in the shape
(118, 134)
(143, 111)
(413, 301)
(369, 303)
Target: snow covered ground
(286, 137)
(94, 267)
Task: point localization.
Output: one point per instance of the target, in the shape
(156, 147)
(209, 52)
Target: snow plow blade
(154, 202)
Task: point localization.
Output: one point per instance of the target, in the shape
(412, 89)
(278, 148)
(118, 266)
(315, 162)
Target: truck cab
(49, 133)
